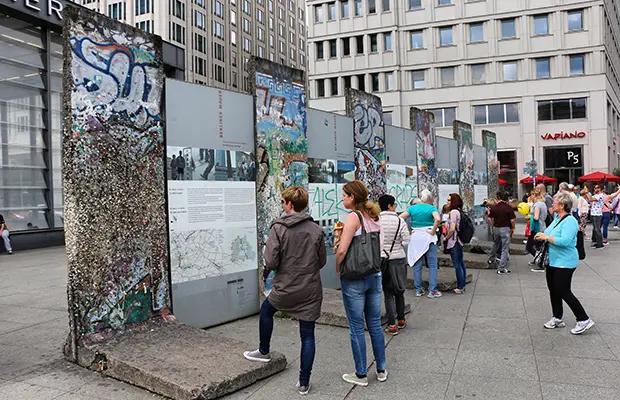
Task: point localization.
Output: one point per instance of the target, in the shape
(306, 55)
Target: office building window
(444, 117)
(389, 81)
(260, 33)
(247, 45)
(543, 68)
(318, 14)
(552, 110)
(415, 4)
(447, 76)
(444, 2)
(246, 25)
(509, 28)
(445, 36)
(233, 38)
(200, 20)
(361, 82)
(387, 42)
(346, 80)
(374, 46)
(331, 11)
(374, 79)
(372, 7)
(246, 7)
(360, 44)
(344, 8)
(218, 30)
(417, 78)
(577, 64)
(510, 71)
(281, 13)
(575, 20)
(385, 5)
(334, 86)
(319, 51)
(320, 87)
(233, 17)
(144, 7)
(476, 32)
(346, 46)
(260, 16)
(541, 24)
(478, 73)
(200, 3)
(218, 9)
(417, 40)
(333, 52)
(358, 8)
(496, 113)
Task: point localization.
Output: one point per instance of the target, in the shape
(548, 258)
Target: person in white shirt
(395, 234)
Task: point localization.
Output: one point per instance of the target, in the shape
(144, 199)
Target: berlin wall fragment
(423, 124)
(489, 142)
(463, 136)
(281, 146)
(113, 171)
(369, 140)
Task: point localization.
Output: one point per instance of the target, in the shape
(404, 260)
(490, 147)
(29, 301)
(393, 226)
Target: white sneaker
(582, 326)
(353, 379)
(554, 323)
(256, 355)
(382, 376)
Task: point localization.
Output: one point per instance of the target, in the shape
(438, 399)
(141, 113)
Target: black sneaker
(538, 269)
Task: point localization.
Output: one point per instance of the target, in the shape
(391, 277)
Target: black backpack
(466, 228)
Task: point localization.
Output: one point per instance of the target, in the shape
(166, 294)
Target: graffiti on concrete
(281, 146)
(113, 170)
(463, 136)
(489, 142)
(423, 124)
(369, 141)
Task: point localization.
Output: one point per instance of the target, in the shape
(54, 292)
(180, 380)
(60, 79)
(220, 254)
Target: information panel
(447, 156)
(330, 167)
(211, 174)
(481, 190)
(402, 170)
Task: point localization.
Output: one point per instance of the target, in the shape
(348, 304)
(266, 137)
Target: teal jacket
(563, 253)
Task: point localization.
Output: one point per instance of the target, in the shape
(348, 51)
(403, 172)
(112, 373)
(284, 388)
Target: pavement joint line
(529, 331)
(26, 327)
(458, 349)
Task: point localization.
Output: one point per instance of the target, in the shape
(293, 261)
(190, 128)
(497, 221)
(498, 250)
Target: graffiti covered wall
(113, 171)
(489, 142)
(369, 140)
(423, 124)
(463, 136)
(281, 146)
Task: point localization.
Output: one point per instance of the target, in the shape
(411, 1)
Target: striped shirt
(389, 221)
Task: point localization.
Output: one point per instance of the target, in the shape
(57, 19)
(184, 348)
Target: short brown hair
(297, 196)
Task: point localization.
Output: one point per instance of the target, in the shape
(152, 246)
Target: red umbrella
(539, 179)
(599, 177)
(502, 182)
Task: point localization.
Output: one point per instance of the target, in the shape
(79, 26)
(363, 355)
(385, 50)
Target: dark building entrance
(564, 163)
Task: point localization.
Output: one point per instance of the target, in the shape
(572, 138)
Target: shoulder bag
(364, 255)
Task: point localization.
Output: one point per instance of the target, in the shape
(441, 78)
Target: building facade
(219, 36)
(31, 198)
(542, 74)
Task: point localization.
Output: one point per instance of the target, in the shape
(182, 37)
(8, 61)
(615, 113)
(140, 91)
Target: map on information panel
(211, 252)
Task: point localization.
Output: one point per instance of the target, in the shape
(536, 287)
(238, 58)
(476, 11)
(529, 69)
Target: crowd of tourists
(374, 247)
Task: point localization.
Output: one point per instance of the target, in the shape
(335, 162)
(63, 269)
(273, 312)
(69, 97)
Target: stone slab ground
(472, 261)
(446, 279)
(179, 362)
(517, 249)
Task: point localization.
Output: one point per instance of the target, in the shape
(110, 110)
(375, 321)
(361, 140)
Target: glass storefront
(564, 163)
(508, 171)
(29, 126)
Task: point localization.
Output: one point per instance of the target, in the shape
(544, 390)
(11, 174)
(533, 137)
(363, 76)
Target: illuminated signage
(563, 135)
(47, 9)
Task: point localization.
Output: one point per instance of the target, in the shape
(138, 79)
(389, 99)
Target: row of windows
(260, 16)
(509, 72)
(176, 32)
(147, 26)
(372, 7)
(508, 30)
(117, 11)
(372, 45)
(375, 83)
(176, 8)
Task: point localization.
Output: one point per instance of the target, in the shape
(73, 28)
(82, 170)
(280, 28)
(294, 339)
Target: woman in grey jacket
(296, 251)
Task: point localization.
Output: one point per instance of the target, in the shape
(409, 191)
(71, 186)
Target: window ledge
(542, 35)
(441, 46)
(508, 39)
(420, 49)
(577, 31)
(415, 9)
(475, 1)
(480, 42)
(445, 5)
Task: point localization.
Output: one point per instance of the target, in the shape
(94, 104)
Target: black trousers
(532, 246)
(559, 284)
(394, 306)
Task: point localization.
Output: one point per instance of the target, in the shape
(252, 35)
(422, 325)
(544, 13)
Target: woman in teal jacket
(563, 260)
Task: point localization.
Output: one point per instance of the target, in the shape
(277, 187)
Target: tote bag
(364, 255)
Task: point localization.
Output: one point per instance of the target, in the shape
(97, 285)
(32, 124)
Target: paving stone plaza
(486, 344)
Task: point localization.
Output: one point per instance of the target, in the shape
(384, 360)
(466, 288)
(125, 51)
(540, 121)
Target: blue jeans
(431, 259)
(456, 254)
(363, 298)
(606, 219)
(306, 332)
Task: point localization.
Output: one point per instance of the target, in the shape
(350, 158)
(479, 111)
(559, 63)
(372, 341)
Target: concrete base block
(332, 311)
(472, 261)
(517, 249)
(446, 279)
(178, 361)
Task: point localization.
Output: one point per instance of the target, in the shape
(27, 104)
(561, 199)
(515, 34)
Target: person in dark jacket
(296, 251)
